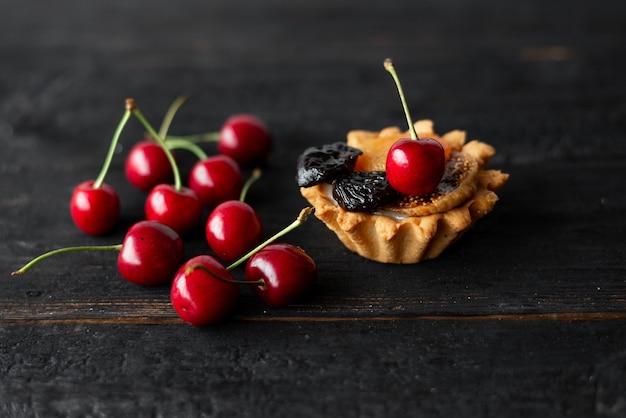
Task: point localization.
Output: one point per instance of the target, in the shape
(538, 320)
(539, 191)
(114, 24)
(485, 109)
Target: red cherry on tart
(147, 165)
(245, 139)
(179, 209)
(216, 179)
(282, 274)
(151, 254)
(203, 291)
(94, 210)
(413, 166)
(232, 229)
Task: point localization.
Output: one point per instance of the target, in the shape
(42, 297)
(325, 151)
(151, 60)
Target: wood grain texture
(485, 368)
(524, 317)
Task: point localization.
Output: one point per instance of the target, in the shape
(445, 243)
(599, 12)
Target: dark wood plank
(523, 317)
(485, 368)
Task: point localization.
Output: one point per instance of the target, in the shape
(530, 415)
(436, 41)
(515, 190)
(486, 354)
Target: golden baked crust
(416, 232)
(462, 170)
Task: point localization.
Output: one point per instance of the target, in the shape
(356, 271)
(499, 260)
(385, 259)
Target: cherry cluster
(202, 289)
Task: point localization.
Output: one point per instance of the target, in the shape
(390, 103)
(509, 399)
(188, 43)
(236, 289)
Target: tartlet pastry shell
(402, 238)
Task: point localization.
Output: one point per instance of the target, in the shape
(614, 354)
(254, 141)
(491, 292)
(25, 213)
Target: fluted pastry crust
(414, 232)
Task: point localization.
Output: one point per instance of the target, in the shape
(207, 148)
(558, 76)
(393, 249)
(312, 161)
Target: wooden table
(524, 317)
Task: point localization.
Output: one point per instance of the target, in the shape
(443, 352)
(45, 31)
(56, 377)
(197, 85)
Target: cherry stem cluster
(132, 107)
(182, 141)
(391, 70)
(169, 115)
(192, 147)
(36, 260)
(109, 157)
(178, 142)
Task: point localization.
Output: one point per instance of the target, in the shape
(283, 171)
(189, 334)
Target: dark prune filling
(363, 191)
(322, 164)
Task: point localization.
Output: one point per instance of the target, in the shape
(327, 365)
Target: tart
(406, 229)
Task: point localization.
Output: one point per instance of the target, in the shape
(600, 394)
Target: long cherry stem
(132, 107)
(109, 157)
(31, 264)
(169, 115)
(302, 218)
(391, 70)
(256, 174)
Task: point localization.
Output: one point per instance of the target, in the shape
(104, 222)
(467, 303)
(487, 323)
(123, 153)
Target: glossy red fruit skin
(288, 273)
(147, 166)
(151, 254)
(199, 298)
(415, 167)
(179, 209)
(232, 229)
(245, 139)
(215, 180)
(94, 211)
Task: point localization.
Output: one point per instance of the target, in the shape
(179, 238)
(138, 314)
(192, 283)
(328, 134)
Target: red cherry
(233, 229)
(95, 206)
(179, 209)
(147, 165)
(245, 139)
(151, 254)
(95, 211)
(287, 273)
(415, 167)
(198, 296)
(215, 180)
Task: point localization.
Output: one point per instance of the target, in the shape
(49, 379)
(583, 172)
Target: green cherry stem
(186, 145)
(256, 174)
(391, 70)
(197, 138)
(36, 260)
(132, 107)
(169, 115)
(302, 218)
(109, 157)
